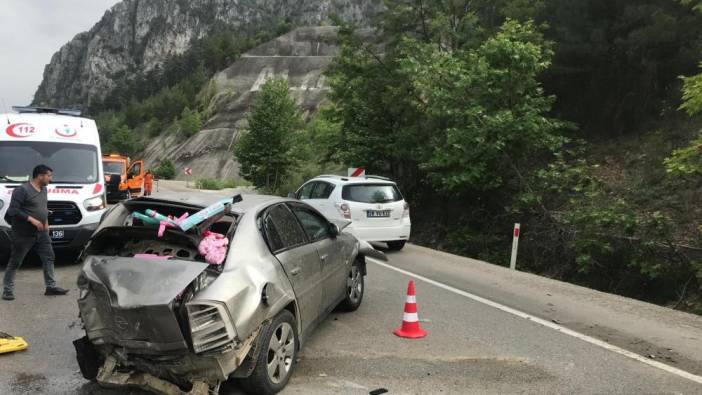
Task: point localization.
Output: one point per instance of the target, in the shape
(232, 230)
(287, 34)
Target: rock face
(139, 34)
(300, 56)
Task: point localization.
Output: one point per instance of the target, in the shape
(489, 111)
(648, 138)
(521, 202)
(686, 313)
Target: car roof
(337, 179)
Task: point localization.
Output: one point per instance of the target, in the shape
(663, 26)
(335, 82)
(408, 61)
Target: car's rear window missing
(371, 193)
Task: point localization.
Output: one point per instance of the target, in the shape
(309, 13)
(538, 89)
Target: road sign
(356, 172)
(515, 243)
(188, 171)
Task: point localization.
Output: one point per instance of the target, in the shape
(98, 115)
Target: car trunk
(134, 284)
(133, 303)
(374, 204)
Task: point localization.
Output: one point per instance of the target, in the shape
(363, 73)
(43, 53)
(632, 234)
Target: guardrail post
(515, 244)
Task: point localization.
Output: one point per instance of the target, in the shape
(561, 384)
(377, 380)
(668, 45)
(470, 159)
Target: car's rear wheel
(355, 287)
(396, 245)
(276, 360)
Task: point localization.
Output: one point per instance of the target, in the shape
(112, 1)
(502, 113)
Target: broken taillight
(210, 326)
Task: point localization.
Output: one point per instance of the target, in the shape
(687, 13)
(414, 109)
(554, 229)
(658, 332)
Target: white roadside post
(515, 243)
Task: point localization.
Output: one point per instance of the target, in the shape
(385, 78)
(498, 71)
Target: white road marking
(548, 324)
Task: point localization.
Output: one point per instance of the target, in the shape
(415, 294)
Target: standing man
(29, 216)
(148, 183)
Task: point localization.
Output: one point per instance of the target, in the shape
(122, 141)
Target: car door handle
(295, 271)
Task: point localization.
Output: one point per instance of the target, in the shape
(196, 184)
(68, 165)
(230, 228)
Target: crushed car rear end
(158, 316)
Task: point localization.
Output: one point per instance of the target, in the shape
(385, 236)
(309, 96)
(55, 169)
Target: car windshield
(371, 193)
(112, 167)
(72, 163)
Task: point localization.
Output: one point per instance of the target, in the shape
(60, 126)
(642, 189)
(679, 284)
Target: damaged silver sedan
(178, 309)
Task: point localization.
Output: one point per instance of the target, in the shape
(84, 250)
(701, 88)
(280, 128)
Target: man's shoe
(8, 296)
(55, 291)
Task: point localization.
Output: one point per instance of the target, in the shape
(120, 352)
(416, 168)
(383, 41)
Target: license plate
(57, 234)
(378, 213)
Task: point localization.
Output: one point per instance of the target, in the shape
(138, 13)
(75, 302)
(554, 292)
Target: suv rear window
(371, 193)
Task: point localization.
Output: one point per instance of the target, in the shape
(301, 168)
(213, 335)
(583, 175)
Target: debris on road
(9, 343)
(378, 391)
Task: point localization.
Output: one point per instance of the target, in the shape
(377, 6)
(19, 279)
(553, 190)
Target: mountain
(138, 35)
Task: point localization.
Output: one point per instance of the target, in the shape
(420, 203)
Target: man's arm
(15, 209)
(19, 195)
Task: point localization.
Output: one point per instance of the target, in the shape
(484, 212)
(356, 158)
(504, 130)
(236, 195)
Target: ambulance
(70, 145)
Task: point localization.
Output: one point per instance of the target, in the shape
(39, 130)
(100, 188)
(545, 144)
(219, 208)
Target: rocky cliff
(136, 35)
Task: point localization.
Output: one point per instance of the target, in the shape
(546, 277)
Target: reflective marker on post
(515, 243)
(356, 172)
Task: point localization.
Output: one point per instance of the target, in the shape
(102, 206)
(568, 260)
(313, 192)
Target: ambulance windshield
(72, 163)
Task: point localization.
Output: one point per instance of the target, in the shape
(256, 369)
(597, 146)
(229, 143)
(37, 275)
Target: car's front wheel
(396, 245)
(355, 287)
(276, 361)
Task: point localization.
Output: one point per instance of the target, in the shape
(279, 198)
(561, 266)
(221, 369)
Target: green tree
(686, 162)
(165, 170)
(267, 152)
(189, 122)
(125, 141)
(490, 112)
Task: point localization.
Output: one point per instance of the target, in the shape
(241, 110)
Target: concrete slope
(300, 56)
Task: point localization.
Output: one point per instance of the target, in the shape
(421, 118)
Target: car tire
(274, 366)
(396, 245)
(355, 287)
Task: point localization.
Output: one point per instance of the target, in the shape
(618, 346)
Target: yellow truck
(123, 180)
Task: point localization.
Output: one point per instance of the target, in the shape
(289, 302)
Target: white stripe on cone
(410, 317)
(411, 299)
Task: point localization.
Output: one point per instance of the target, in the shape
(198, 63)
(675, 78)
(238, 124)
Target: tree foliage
(489, 110)
(267, 151)
(165, 170)
(189, 122)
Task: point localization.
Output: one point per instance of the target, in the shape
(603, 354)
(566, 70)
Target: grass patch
(213, 184)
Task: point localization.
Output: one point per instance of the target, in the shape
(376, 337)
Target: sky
(31, 31)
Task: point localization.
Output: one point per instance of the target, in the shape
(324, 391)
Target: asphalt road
(497, 345)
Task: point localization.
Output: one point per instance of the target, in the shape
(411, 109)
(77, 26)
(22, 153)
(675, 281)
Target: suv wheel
(277, 358)
(396, 245)
(354, 288)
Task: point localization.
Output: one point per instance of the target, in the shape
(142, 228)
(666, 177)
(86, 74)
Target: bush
(189, 122)
(212, 184)
(166, 170)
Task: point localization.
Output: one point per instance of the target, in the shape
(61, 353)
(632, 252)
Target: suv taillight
(406, 212)
(345, 210)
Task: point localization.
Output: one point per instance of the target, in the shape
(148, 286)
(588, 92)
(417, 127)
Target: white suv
(374, 205)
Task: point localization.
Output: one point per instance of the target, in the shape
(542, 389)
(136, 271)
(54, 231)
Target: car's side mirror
(334, 230)
(291, 195)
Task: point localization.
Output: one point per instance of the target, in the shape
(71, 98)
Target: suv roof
(352, 180)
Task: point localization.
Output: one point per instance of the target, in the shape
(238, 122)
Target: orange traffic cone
(410, 321)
